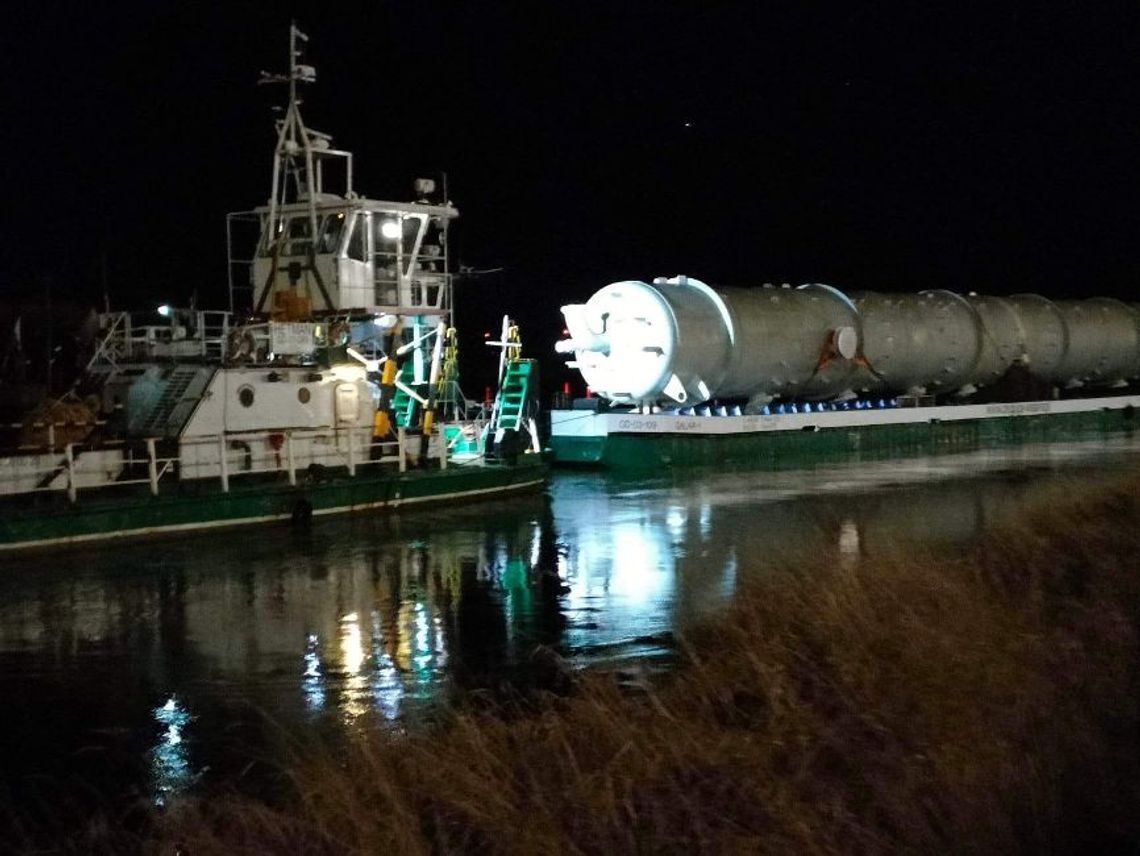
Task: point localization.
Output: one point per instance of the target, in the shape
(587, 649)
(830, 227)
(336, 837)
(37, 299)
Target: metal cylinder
(1044, 335)
(1135, 307)
(1002, 338)
(679, 341)
(790, 342)
(1103, 342)
(637, 342)
(928, 342)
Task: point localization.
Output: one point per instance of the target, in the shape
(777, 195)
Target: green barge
(625, 440)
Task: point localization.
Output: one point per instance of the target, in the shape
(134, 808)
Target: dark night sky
(897, 147)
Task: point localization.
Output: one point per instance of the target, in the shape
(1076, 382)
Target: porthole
(303, 395)
(245, 396)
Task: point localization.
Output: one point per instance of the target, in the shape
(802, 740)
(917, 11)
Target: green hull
(49, 519)
(771, 450)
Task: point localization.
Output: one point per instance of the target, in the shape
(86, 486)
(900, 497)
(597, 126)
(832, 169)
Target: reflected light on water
(414, 651)
(642, 569)
(312, 684)
(849, 543)
(351, 645)
(422, 645)
(387, 686)
(535, 545)
(440, 647)
(675, 519)
(352, 654)
(728, 585)
(628, 569)
(482, 564)
(170, 768)
(706, 519)
(404, 621)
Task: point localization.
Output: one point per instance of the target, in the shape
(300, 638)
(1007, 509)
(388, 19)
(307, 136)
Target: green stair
(514, 392)
(403, 405)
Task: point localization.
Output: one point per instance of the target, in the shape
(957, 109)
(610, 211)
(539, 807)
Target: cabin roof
(361, 203)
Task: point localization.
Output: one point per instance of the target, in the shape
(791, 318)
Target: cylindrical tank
(928, 342)
(679, 340)
(1003, 342)
(1044, 336)
(682, 340)
(1135, 307)
(638, 342)
(1102, 342)
(790, 342)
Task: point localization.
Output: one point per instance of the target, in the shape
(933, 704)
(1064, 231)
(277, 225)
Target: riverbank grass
(985, 701)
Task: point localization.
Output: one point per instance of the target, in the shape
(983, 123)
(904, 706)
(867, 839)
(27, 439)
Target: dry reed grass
(980, 702)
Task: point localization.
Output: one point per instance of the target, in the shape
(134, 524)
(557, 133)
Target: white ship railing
(189, 334)
(67, 473)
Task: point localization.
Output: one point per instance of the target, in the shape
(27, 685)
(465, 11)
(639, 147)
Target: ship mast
(298, 159)
(327, 253)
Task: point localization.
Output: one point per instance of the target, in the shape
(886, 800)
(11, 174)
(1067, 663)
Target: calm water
(149, 670)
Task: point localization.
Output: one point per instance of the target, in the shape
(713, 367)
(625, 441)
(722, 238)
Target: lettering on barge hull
(1019, 408)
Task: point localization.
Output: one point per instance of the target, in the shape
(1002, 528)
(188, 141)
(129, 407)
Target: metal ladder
(514, 393)
(403, 405)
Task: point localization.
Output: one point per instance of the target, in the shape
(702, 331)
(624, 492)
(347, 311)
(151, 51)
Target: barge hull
(626, 441)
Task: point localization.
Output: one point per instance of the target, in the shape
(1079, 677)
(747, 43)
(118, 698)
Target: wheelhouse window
(298, 232)
(293, 233)
(331, 230)
(395, 237)
(268, 241)
(357, 239)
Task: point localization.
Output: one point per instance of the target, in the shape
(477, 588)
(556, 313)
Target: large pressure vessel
(1135, 307)
(930, 341)
(1044, 335)
(1102, 342)
(679, 341)
(1002, 337)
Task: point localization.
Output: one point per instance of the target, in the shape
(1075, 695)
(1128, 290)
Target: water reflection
(385, 617)
(171, 773)
(312, 683)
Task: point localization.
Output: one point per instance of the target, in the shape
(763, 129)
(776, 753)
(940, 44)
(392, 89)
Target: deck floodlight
(391, 230)
(166, 310)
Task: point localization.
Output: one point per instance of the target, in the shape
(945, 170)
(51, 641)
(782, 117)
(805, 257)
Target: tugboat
(336, 390)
